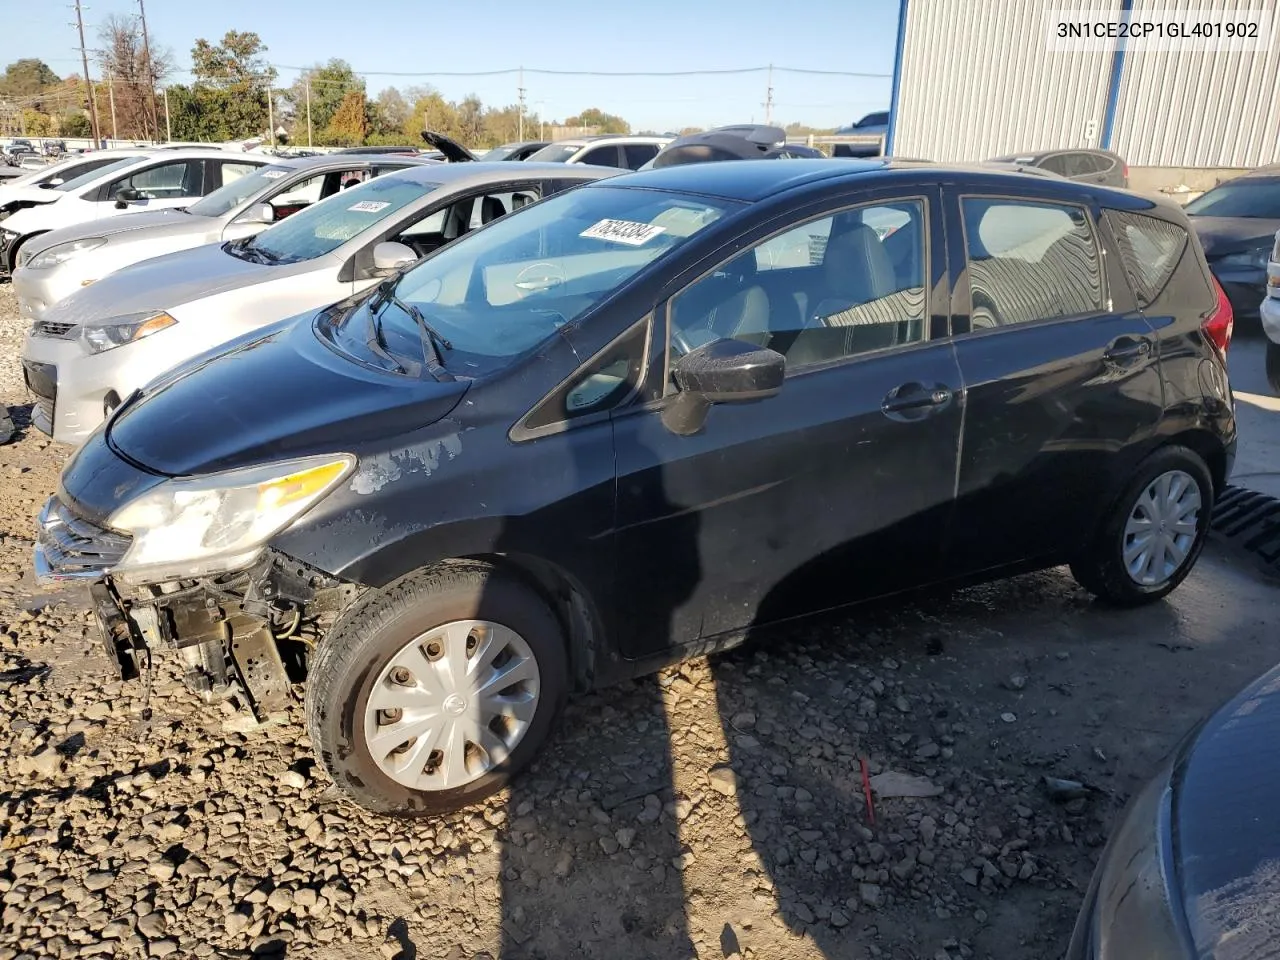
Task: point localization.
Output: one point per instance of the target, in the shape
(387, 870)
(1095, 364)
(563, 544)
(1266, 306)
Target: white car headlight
(58, 253)
(219, 523)
(117, 331)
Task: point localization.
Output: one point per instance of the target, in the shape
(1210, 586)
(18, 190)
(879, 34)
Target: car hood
(154, 223)
(27, 194)
(1222, 235)
(279, 395)
(169, 281)
(1226, 833)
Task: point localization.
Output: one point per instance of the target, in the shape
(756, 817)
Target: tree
(228, 100)
(26, 77)
(236, 62)
(330, 83)
(36, 124)
(388, 112)
(74, 125)
(348, 125)
(604, 122)
(133, 78)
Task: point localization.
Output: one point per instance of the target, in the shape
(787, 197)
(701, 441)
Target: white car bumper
(74, 387)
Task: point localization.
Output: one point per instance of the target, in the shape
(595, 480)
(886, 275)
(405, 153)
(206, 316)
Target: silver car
(98, 345)
(54, 265)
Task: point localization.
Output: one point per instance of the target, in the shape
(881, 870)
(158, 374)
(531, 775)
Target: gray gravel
(12, 331)
(716, 810)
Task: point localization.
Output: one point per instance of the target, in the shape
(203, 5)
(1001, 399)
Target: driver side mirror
(722, 371)
(389, 256)
(126, 196)
(50, 184)
(259, 213)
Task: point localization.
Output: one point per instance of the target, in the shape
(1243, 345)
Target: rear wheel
(432, 694)
(1153, 533)
(1273, 367)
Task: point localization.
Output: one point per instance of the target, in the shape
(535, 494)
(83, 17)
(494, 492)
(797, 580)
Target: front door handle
(914, 401)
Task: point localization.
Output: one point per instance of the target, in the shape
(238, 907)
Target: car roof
(479, 173)
(746, 179)
(339, 160)
(750, 181)
(1034, 155)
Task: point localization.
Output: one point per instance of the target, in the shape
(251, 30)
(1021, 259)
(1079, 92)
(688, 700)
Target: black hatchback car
(629, 422)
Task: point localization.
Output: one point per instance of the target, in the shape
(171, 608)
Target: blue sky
(413, 37)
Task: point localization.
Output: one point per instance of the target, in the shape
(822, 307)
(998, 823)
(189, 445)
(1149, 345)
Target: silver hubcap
(1162, 528)
(451, 704)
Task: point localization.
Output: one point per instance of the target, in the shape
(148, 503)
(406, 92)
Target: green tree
(26, 77)
(329, 83)
(604, 122)
(36, 124)
(74, 125)
(388, 112)
(348, 124)
(228, 100)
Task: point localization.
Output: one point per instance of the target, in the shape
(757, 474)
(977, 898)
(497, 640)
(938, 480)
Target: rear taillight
(1126, 171)
(1220, 324)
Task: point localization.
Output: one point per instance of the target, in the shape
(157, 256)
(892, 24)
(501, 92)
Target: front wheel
(1151, 536)
(433, 693)
(1273, 367)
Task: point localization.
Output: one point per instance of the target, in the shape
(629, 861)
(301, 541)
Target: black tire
(348, 660)
(1100, 569)
(1273, 367)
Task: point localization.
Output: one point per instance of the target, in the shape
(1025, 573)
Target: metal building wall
(976, 80)
(1215, 109)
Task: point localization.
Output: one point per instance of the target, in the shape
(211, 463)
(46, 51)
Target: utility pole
(768, 97)
(84, 60)
(271, 116)
(168, 130)
(151, 79)
(308, 109)
(520, 91)
(111, 96)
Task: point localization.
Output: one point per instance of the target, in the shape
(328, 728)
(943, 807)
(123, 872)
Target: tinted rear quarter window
(1150, 249)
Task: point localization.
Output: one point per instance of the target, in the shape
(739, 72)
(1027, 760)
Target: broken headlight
(219, 523)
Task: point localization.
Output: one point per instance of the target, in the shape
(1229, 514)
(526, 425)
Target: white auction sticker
(623, 231)
(273, 174)
(369, 206)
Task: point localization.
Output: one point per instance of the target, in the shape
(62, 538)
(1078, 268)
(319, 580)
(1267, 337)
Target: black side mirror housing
(722, 371)
(126, 196)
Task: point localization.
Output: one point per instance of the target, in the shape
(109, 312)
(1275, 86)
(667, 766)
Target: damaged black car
(632, 422)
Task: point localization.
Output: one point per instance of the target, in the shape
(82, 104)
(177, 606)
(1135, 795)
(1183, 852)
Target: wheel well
(1211, 451)
(571, 603)
(18, 245)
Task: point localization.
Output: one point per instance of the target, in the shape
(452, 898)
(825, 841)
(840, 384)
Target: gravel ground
(715, 811)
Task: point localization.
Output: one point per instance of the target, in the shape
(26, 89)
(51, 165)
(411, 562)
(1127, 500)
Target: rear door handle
(1126, 349)
(913, 401)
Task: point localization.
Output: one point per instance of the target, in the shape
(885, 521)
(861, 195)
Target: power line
(735, 71)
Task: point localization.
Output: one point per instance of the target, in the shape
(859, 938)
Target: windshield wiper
(432, 340)
(378, 344)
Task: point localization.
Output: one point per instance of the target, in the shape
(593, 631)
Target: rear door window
(603, 157)
(232, 171)
(638, 154)
(1029, 260)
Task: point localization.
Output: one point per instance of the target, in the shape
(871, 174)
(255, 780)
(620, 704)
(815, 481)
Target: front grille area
(73, 546)
(51, 328)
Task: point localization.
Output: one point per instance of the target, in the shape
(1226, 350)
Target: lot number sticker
(273, 174)
(369, 206)
(623, 231)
